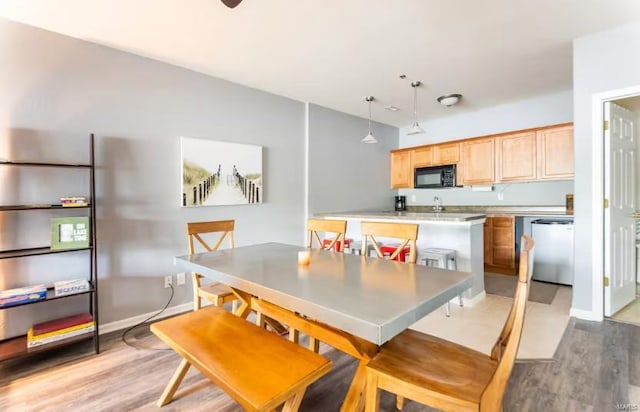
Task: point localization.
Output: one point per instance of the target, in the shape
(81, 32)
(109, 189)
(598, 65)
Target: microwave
(435, 177)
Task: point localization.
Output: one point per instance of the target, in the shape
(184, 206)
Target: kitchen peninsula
(462, 232)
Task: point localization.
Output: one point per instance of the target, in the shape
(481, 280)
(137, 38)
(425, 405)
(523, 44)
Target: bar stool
(328, 241)
(441, 258)
(356, 248)
(390, 248)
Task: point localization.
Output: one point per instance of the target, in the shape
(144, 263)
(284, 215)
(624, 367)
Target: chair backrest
(506, 347)
(337, 227)
(407, 233)
(196, 229)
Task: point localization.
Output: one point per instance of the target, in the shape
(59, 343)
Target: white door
(619, 188)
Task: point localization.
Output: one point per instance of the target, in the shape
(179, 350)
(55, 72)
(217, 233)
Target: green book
(70, 232)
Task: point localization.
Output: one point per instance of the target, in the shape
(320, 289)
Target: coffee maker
(401, 203)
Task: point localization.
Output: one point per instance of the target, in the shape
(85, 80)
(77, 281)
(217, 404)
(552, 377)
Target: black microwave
(435, 177)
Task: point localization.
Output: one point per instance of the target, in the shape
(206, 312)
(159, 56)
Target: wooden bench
(259, 369)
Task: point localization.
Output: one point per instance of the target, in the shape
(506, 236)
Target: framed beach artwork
(220, 173)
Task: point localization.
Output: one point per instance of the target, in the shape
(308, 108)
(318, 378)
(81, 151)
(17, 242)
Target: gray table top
(374, 299)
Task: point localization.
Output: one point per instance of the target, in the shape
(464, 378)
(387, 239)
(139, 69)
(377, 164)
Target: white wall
(601, 62)
(345, 174)
(56, 90)
(535, 112)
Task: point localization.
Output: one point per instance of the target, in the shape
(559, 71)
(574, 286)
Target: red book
(62, 323)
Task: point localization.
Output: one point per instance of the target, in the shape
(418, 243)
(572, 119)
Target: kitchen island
(462, 232)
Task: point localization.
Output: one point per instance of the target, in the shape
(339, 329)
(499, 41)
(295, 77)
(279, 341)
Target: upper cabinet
(516, 157)
(544, 153)
(401, 170)
(446, 154)
(422, 156)
(477, 166)
(555, 153)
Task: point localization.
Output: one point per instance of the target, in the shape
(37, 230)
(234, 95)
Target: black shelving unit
(17, 346)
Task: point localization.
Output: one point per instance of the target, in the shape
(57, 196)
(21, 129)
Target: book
(70, 287)
(73, 201)
(70, 232)
(60, 337)
(61, 323)
(17, 296)
(31, 336)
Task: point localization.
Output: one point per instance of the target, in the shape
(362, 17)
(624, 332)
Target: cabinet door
(503, 242)
(516, 157)
(422, 156)
(401, 172)
(488, 241)
(478, 161)
(555, 153)
(446, 154)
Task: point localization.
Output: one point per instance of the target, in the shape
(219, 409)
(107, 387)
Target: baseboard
(470, 302)
(585, 314)
(125, 323)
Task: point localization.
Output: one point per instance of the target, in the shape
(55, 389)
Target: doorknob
(636, 215)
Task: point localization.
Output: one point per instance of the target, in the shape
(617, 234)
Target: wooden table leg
(354, 401)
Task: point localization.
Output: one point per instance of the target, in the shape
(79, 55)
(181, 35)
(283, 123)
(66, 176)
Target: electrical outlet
(500, 196)
(413, 198)
(168, 281)
(180, 278)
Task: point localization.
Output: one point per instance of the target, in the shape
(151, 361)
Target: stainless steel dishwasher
(553, 253)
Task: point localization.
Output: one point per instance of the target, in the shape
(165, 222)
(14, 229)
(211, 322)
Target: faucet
(437, 207)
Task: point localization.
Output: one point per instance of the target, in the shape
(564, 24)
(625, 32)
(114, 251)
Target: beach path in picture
(220, 173)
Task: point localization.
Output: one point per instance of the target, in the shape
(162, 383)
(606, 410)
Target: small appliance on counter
(401, 203)
(569, 204)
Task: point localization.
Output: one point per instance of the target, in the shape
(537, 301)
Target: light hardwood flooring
(596, 367)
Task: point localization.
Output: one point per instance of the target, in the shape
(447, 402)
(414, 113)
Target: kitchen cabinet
(401, 170)
(500, 245)
(422, 156)
(446, 154)
(538, 154)
(555, 153)
(477, 162)
(516, 159)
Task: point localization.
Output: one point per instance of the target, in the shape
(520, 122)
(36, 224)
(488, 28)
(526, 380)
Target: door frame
(597, 177)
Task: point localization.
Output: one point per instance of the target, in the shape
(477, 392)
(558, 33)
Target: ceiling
(334, 53)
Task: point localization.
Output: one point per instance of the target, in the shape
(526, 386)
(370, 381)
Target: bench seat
(258, 369)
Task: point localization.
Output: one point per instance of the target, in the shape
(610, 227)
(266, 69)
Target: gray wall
(535, 112)
(601, 62)
(345, 174)
(56, 90)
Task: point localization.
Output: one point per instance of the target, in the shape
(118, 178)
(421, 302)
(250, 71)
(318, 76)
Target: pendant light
(369, 138)
(415, 128)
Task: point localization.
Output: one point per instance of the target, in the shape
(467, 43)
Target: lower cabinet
(500, 245)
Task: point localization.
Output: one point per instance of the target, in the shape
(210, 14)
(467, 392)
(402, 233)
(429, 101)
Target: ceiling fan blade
(231, 3)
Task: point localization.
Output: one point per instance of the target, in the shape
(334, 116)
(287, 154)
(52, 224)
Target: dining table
(350, 302)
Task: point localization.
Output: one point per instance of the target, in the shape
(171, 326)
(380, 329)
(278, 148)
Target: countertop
(558, 211)
(429, 216)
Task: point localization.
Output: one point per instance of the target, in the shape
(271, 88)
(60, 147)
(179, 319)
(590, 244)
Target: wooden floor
(594, 368)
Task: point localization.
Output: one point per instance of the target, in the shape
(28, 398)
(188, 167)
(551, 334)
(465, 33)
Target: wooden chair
(336, 227)
(406, 232)
(448, 376)
(216, 293)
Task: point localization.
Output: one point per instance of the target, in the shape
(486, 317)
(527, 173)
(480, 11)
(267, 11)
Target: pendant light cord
(370, 116)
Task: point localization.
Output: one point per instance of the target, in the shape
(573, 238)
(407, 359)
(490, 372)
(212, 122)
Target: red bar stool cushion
(392, 248)
(327, 242)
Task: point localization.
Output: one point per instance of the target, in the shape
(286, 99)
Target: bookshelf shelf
(17, 346)
(7, 208)
(52, 296)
